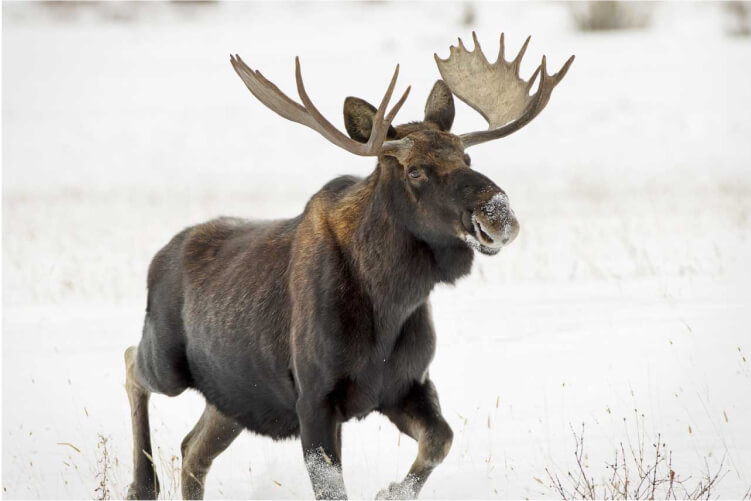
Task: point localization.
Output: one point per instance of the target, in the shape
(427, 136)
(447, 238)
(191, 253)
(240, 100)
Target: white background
(627, 291)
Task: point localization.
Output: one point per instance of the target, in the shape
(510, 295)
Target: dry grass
(171, 474)
(637, 472)
(102, 490)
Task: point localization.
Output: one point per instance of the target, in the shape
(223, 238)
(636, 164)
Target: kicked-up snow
(624, 299)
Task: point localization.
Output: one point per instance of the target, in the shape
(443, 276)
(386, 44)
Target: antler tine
(324, 126)
(517, 62)
(531, 81)
(478, 49)
(381, 111)
(564, 69)
(501, 52)
(386, 122)
(380, 128)
(395, 109)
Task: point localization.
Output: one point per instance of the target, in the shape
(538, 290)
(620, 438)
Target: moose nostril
(485, 235)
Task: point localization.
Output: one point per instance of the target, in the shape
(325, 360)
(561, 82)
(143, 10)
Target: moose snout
(495, 222)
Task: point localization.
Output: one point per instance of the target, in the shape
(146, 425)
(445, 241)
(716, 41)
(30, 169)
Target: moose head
(438, 197)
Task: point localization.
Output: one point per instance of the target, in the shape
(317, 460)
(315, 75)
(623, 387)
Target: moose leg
(145, 483)
(321, 442)
(211, 436)
(419, 416)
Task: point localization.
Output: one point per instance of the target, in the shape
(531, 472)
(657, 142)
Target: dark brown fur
(293, 327)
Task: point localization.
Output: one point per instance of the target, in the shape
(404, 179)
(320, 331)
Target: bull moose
(292, 327)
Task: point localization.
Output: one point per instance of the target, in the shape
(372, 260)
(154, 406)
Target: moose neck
(395, 266)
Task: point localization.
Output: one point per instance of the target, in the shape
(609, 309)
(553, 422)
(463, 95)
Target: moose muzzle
(494, 225)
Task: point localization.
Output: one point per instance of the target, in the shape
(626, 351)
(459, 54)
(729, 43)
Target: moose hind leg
(145, 483)
(419, 416)
(211, 436)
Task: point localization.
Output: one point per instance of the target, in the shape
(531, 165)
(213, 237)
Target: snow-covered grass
(628, 287)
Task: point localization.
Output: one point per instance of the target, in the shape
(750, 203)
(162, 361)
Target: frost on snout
(494, 225)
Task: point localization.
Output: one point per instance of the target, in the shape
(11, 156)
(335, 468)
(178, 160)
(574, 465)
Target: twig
(71, 446)
(634, 476)
(104, 462)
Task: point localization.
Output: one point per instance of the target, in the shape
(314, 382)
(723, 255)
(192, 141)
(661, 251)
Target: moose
(293, 327)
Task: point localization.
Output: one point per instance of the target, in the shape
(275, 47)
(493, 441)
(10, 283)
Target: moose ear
(440, 106)
(358, 119)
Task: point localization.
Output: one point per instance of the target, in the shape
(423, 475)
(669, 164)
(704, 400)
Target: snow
(627, 288)
(497, 207)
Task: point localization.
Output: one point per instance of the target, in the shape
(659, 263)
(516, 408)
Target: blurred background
(623, 304)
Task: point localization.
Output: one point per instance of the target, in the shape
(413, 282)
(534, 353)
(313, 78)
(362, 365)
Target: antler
(495, 90)
(307, 114)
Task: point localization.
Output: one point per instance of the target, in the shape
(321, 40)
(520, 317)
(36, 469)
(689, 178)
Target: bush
(637, 472)
(610, 15)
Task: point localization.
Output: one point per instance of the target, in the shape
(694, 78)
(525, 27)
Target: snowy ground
(628, 287)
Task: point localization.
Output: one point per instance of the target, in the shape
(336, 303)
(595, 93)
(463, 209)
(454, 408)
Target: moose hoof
(398, 490)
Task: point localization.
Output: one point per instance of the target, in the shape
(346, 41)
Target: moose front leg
(419, 416)
(321, 443)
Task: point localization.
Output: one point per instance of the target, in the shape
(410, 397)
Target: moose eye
(414, 173)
